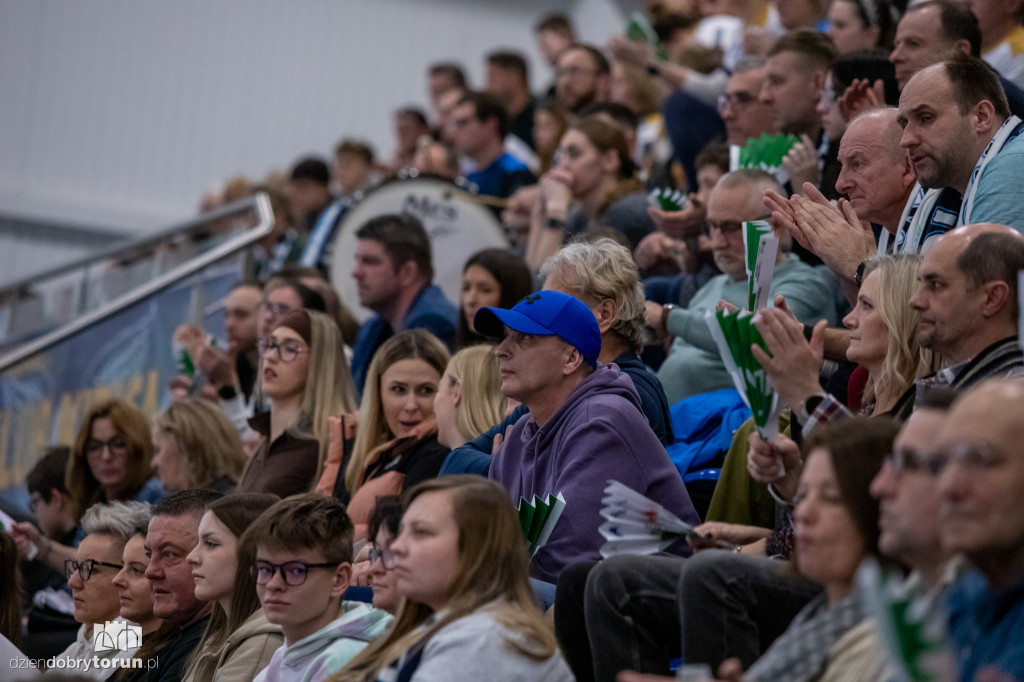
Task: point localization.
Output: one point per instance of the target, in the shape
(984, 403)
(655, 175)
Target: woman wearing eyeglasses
(370, 568)
(91, 579)
(111, 461)
(282, 296)
(238, 641)
(383, 529)
(304, 377)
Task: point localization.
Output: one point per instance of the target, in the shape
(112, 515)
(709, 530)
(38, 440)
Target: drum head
(458, 227)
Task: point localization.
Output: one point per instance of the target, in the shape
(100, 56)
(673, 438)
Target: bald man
(879, 182)
(967, 301)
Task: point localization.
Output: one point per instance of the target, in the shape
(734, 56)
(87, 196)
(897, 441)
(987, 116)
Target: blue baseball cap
(546, 313)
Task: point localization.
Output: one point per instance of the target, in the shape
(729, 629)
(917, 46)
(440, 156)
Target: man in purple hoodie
(584, 427)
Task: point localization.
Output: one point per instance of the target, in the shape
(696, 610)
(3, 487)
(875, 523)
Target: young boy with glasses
(302, 569)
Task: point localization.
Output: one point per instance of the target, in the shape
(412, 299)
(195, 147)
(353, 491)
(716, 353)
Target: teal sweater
(693, 365)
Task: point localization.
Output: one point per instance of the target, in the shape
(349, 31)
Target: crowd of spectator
(329, 500)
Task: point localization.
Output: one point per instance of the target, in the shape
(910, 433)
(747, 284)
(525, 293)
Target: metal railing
(152, 246)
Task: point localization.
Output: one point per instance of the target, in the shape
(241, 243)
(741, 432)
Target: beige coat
(858, 656)
(248, 649)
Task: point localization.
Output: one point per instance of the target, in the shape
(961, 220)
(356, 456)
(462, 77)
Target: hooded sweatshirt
(599, 434)
(327, 650)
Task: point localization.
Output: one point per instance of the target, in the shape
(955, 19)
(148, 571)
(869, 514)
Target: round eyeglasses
(287, 351)
(294, 573)
(384, 554)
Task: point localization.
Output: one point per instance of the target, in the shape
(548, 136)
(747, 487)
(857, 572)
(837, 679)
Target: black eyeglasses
(287, 351)
(86, 568)
(117, 445)
(279, 309)
(734, 100)
(970, 456)
(728, 227)
(907, 460)
(384, 554)
(574, 72)
(293, 573)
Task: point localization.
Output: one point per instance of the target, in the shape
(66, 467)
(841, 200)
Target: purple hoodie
(598, 434)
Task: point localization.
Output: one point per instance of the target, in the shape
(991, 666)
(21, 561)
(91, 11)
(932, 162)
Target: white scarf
(1008, 128)
(912, 223)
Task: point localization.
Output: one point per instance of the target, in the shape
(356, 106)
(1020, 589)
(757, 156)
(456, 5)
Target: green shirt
(693, 365)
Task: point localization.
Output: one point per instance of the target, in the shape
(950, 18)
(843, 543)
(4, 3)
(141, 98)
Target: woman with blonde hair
(593, 186)
(883, 341)
(891, 373)
(196, 446)
(395, 442)
(469, 399)
(460, 563)
(304, 376)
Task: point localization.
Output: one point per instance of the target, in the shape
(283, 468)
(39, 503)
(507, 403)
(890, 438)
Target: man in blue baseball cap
(584, 425)
(539, 331)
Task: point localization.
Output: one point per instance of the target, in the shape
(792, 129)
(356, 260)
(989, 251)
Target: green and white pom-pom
(667, 199)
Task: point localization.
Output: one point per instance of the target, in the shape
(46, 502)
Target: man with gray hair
(107, 527)
(601, 274)
(693, 364)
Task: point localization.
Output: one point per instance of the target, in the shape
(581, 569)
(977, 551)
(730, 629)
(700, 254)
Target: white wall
(28, 249)
(121, 113)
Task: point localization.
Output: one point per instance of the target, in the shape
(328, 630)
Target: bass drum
(457, 223)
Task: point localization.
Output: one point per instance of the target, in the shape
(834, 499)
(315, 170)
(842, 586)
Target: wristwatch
(665, 310)
(555, 224)
(227, 392)
(808, 407)
(858, 276)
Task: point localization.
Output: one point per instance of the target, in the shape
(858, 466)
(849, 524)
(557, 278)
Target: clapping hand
(860, 96)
